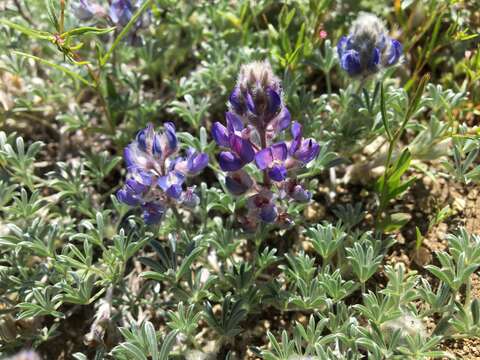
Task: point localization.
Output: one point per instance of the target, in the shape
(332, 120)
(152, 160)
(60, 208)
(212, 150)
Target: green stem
(329, 83)
(393, 139)
(178, 217)
(125, 31)
(468, 292)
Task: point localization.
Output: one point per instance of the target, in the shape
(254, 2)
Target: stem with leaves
(394, 137)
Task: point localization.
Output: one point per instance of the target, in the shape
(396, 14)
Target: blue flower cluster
(156, 175)
(257, 116)
(367, 48)
(120, 13)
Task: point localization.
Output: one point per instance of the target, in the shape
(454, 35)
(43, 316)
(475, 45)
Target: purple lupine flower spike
(155, 177)
(256, 117)
(367, 48)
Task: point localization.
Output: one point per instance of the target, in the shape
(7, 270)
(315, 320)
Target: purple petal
(236, 101)
(308, 151)
(229, 161)
(279, 151)
(242, 148)
(300, 194)
(238, 182)
(283, 119)
(196, 163)
(234, 123)
(157, 146)
(396, 50)
(350, 62)
(274, 101)
(296, 130)
(342, 44)
(153, 212)
(126, 197)
(190, 199)
(268, 213)
(264, 158)
(135, 186)
(173, 178)
(375, 60)
(134, 157)
(171, 136)
(250, 103)
(220, 134)
(141, 139)
(277, 173)
(174, 191)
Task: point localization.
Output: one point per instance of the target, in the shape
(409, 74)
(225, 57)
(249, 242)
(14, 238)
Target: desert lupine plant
(368, 48)
(156, 175)
(365, 268)
(256, 122)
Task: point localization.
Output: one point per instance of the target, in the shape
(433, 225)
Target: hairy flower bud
(367, 48)
(257, 98)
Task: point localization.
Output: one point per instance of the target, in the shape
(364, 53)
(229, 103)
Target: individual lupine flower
(85, 10)
(257, 116)
(262, 206)
(303, 150)
(272, 159)
(367, 48)
(156, 175)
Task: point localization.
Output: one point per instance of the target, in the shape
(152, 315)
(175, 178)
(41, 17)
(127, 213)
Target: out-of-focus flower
(85, 10)
(257, 116)
(26, 355)
(122, 11)
(156, 176)
(367, 48)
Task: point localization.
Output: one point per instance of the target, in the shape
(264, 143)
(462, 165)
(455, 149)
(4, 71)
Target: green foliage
(82, 276)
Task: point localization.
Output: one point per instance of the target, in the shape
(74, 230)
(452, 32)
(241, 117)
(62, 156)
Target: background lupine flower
(121, 11)
(367, 48)
(85, 10)
(257, 116)
(156, 176)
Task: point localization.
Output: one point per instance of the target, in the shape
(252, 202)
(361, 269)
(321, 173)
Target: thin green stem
(125, 31)
(393, 139)
(468, 292)
(179, 218)
(328, 80)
